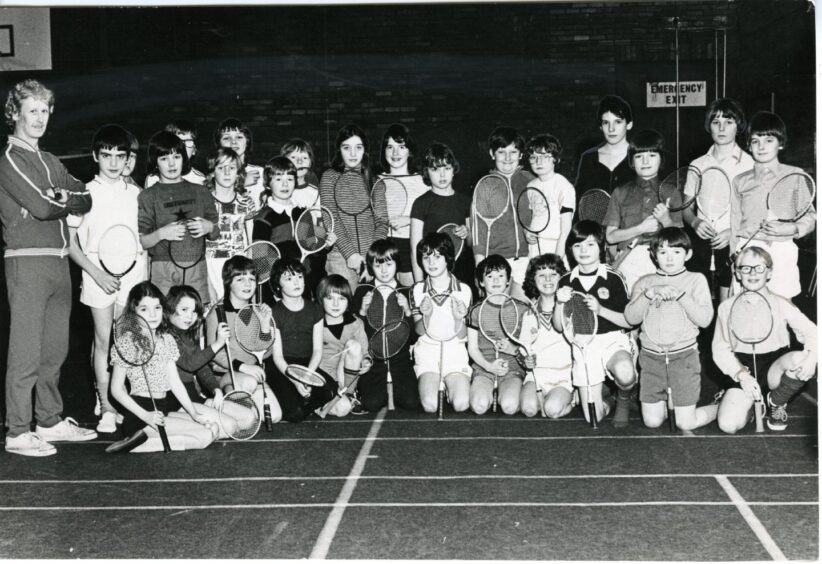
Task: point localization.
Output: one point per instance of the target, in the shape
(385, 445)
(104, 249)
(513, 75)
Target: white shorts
(518, 267)
(426, 354)
(547, 379)
(597, 354)
(93, 295)
(636, 265)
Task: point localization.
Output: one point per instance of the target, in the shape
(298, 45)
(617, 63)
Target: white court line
(810, 398)
(326, 536)
(318, 552)
(405, 478)
(750, 517)
(668, 436)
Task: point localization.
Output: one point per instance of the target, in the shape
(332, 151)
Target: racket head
(441, 324)
(384, 307)
(791, 197)
(594, 205)
(264, 254)
(579, 323)
(304, 376)
(489, 318)
(490, 200)
(117, 250)
(188, 251)
(679, 189)
(254, 328)
(450, 230)
(393, 192)
(133, 339)
(240, 407)
(533, 212)
(519, 321)
(664, 323)
(312, 229)
(751, 318)
(713, 198)
(389, 339)
(351, 193)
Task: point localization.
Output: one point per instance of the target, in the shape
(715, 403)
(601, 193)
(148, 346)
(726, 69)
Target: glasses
(536, 157)
(747, 269)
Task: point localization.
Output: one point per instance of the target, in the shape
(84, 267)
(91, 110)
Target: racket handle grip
(267, 414)
(713, 262)
(164, 437)
(390, 389)
(671, 411)
(759, 415)
(592, 414)
(440, 401)
(220, 312)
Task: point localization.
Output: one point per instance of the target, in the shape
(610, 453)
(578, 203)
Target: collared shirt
(733, 165)
(608, 287)
(631, 203)
(749, 208)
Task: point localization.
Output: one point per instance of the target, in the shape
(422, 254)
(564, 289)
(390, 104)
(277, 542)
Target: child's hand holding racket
(531, 237)
(704, 229)
(592, 303)
(461, 231)
(749, 385)
(155, 419)
(252, 176)
(458, 308)
(110, 284)
(222, 337)
(650, 224)
(199, 227)
(721, 239)
(528, 361)
(174, 231)
(779, 228)
(564, 294)
(426, 306)
(330, 239)
(403, 302)
(254, 370)
(366, 302)
(499, 367)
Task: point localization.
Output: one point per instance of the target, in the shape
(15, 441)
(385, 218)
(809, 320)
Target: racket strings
(594, 205)
(450, 230)
(375, 314)
(305, 376)
(351, 194)
(714, 197)
(510, 315)
(791, 197)
(118, 248)
(672, 190)
(664, 323)
(393, 192)
(133, 339)
(310, 231)
(491, 198)
(241, 408)
(187, 251)
(489, 320)
(532, 210)
(250, 332)
(575, 311)
(389, 340)
(263, 254)
(750, 319)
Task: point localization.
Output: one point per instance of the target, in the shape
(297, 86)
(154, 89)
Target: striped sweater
(33, 222)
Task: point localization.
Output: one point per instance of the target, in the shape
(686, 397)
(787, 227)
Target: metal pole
(724, 59)
(716, 63)
(676, 86)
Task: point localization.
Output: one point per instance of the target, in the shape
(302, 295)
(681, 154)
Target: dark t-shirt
(297, 328)
(593, 174)
(608, 288)
(435, 211)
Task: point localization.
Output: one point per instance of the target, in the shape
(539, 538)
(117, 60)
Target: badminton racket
(450, 230)
(521, 325)
(594, 205)
(263, 254)
(305, 376)
(490, 325)
(237, 405)
(337, 397)
(383, 310)
(751, 322)
(713, 202)
(674, 190)
(387, 342)
(490, 201)
(134, 342)
(663, 326)
(312, 230)
(391, 194)
(579, 325)
(789, 199)
(533, 212)
(255, 331)
(442, 324)
(352, 199)
(117, 250)
(186, 252)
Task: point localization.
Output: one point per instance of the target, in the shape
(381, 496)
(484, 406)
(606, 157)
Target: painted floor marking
(750, 517)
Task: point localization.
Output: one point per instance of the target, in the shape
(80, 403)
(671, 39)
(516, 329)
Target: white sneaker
(66, 430)
(29, 444)
(107, 423)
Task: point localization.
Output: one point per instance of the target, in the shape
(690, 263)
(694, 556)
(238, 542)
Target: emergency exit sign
(664, 94)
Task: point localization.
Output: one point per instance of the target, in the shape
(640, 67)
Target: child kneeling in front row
(780, 370)
(680, 368)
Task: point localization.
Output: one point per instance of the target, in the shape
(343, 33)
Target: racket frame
(119, 275)
(581, 344)
(590, 195)
(200, 256)
(258, 354)
(670, 408)
(356, 215)
(528, 226)
(305, 253)
(528, 308)
(442, 339)
(489, 222)
(388, 181)
(236, 395)
(457, 249)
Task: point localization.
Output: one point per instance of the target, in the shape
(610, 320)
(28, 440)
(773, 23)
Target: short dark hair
(617, 106)
(548, 261)
(297, 144)
(381, 250)
(503, 136)
(728, 108)
(286, 265)
(400, 134)
(646, 141)
(491, 263)
(436, 155)
(182, 126)
(672, 237)
(165, 143)
(544, 142)
(233, 124)
(580, 231)
(437, 242)
(767, 123)
(110, 136)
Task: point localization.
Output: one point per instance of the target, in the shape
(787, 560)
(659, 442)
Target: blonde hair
(28, 88)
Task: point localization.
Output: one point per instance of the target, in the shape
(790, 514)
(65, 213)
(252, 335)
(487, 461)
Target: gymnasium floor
(397, 485)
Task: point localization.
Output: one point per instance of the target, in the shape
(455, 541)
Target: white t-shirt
(415, 187)
(560, 194)
(112, 203)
